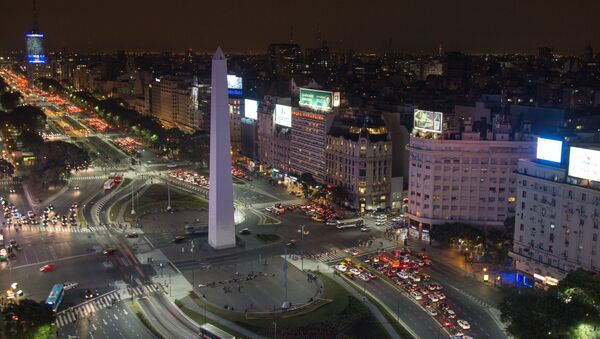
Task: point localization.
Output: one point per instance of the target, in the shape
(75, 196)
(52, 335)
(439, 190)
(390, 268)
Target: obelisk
(221, 226)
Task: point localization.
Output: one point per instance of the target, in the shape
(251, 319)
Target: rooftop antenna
(35, 17)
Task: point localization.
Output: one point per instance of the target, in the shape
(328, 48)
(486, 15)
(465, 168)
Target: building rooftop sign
(318, 100)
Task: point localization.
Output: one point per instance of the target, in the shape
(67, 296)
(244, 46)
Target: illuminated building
(285, 59)
(359, 159)
(467, 179)
(174, 102)
(36, 59)
(557, 221)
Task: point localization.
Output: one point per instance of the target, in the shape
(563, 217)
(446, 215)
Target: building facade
(557, 223)
(470, 181)
(308, 142)
(174, 102)
(358, 158)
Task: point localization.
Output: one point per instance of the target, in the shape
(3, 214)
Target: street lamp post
(302, 247)
(132, 201)
(168, 196)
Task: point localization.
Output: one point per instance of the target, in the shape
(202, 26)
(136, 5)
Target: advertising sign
(283, 115)
(251, 109)
(234, 82)
(428, 121)
(35, 51)
(549, 150)
(584, 163)
(315, 99)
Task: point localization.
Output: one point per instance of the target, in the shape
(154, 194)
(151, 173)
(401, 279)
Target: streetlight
(302, 247)
(132, 209)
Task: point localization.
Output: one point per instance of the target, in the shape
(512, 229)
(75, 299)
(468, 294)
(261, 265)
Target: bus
(349, 223)
(110, 183)
(56, 295)
(208, 331)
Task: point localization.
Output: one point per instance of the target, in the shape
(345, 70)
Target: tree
(451, 233)
(57, 158)
(31, 140)
(26, 117)
(10, 100)
(558, 312)
(6, 168)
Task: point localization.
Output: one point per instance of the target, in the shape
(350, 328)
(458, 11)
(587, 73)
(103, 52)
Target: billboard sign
(428, 121)
(234, 85)
(549, 150)
(316, 99)
(251, 109)
(283, 115)
(35, 50)
(584, 163)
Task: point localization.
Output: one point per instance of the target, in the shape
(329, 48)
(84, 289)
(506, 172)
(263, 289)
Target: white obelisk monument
(221, 227)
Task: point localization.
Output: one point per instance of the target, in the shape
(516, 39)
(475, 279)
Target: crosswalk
(65, 229)
(83, 310)
(145, 289)
(88, 177)
(88, 308)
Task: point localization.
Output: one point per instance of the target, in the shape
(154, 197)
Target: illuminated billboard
(584, 163)
(549, 150)
(318, 100)
(251, 109)
(234, 82)
(283, 115)
(35, 50)
(428, 121)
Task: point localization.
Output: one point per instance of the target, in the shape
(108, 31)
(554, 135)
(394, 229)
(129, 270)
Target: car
(414, 277)
(47, 268)
(450, 313)
(109, 251)
(365, 229)
(354, 252)
(379, 223)
(457, 333)
(355, 271)
(435, 287)
(68, 285)
(431, 311)
(440, 295)
(132, 235)
(76, 188)
(364, 277)
(179, 238)
(341, 268)
(89, 294)
(402, 275)
(433, 297)
(331, 223)
(446, 322)
(291, 243)
(416, 295)
(244, 231)
(463, 324)
(12, 190)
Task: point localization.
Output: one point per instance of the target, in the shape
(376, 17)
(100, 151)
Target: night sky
(250, 25)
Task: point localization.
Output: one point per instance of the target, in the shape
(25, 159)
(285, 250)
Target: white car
(402, 275)
(463, 324)
(355, 271)
(331, 223)
(341, 268)
(415, 277)
(431, 311)
(379, 223)
(416, 295)
(363, 277)
(440, 295)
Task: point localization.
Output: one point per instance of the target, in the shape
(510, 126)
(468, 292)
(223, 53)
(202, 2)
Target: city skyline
(503, 27)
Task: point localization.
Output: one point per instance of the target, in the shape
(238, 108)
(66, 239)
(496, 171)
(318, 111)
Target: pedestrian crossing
(65, 229)
(89, 177)
(142, 290)
(86, 309)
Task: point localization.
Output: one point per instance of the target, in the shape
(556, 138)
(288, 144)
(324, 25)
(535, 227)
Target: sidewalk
(325, 269)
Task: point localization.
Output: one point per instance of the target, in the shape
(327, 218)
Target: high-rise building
(467, 179)
(284, 59)
(174, 102)
(359, 159)
(36, 59)
(557, 221)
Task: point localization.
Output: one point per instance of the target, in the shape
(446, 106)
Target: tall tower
(221, 226)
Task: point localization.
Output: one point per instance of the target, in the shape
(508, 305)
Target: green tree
(6, 168)
(10, 100)
(26, 117)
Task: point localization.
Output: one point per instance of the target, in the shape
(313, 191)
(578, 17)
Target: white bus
(110, 183)
(350, 223)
